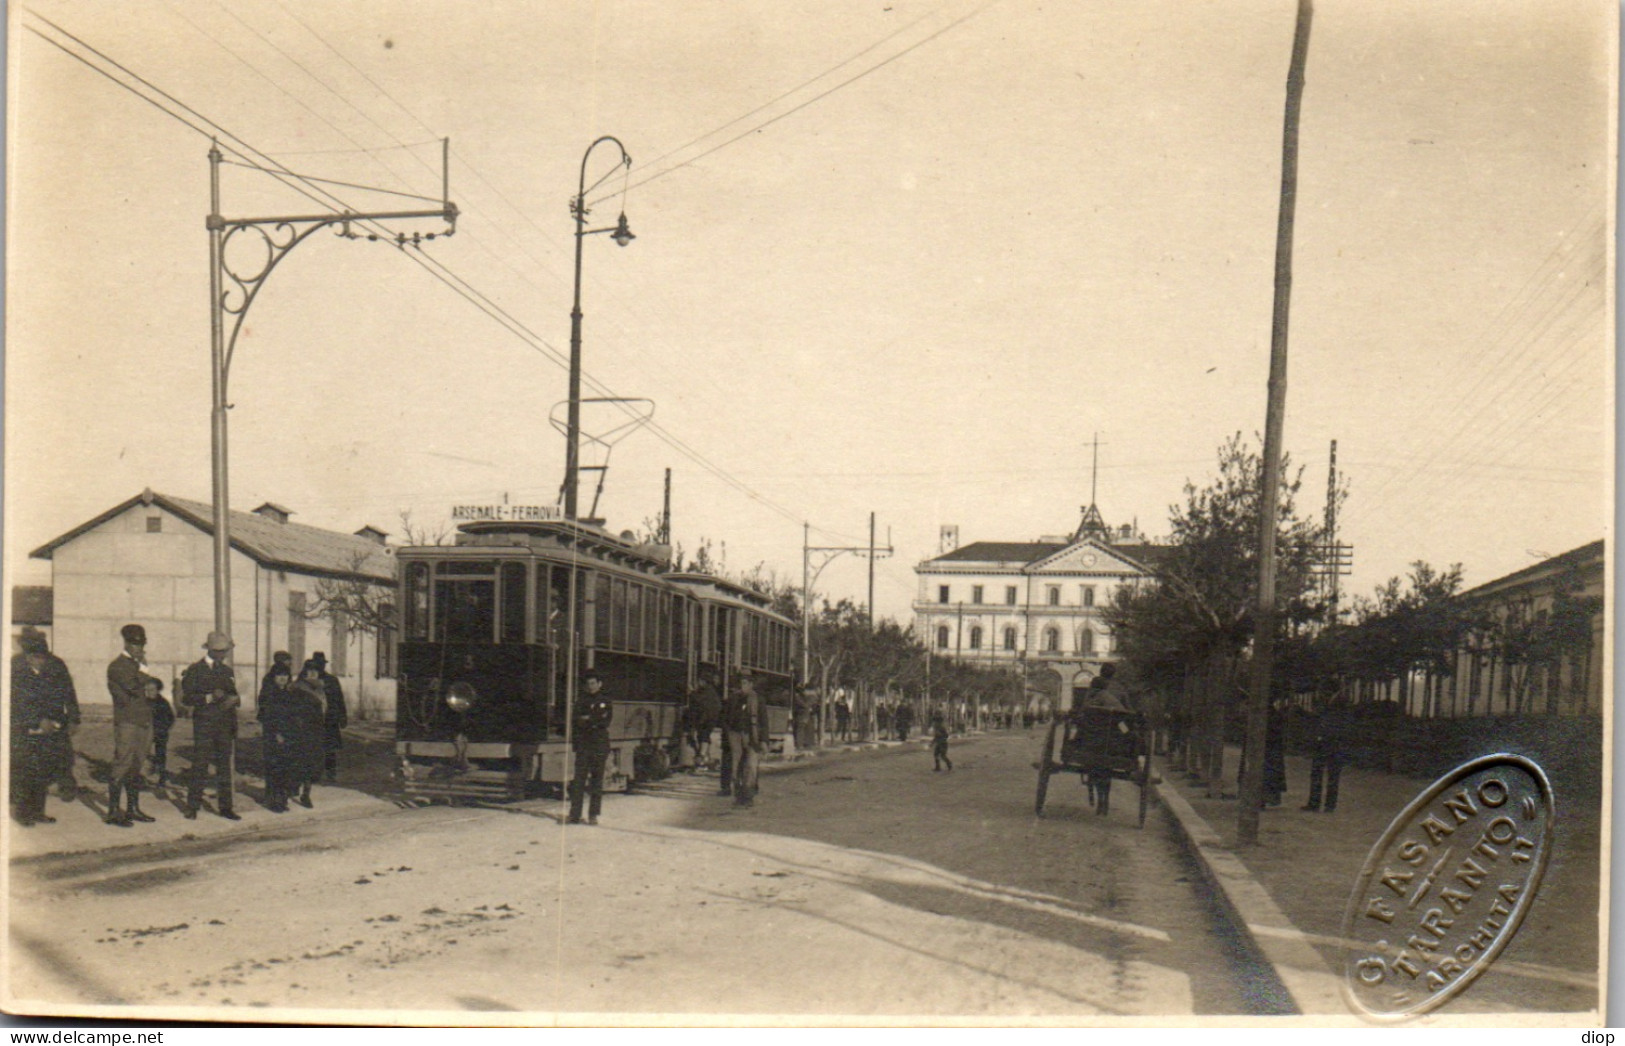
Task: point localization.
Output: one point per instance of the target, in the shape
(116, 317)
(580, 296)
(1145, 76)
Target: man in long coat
(43, 705)
(209, 689)
(132, 727)
(337, 716)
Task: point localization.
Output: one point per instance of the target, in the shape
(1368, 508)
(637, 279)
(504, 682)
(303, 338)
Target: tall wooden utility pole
(1258, 701)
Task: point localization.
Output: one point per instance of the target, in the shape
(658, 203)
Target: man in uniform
(43, 705)
(132, 727)
(590, 741)
(337, 717)
(742, 717)
(209, 689)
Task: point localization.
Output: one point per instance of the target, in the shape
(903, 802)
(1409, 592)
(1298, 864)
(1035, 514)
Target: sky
(903, 258)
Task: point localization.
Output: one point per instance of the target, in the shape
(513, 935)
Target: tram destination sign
(506, 513)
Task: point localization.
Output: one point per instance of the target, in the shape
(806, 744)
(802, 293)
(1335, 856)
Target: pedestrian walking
(843, 719)
(308, 730)
(1328, 748)
(209, 690)
(590, 742)
(40, 717)
(939, 744)
(163, 720)
(132, 728)
(337, 716)
(903, 719)
(742, 719)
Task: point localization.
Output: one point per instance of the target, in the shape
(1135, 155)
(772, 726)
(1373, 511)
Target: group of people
(302, 724)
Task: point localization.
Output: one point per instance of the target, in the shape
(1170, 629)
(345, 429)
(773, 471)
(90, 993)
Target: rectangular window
(634, 618)
(296, 626)
(341, 644)
(942, 593)
(417, 601)
(603, 613)
(155, 524)
(513, 602)
(1009, 595)
(465, 610)
(976, 593)
(384, 660)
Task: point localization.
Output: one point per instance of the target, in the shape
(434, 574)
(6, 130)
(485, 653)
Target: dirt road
(863, 885)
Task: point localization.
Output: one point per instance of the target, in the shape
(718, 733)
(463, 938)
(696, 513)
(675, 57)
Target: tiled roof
(1000, 552)
(1575, 557)
(285, 546)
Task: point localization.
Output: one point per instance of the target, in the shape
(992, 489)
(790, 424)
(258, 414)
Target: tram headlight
(460, 697)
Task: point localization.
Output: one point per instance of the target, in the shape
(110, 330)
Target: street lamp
(622, 235)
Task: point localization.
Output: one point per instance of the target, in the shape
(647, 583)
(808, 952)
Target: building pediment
(1085, 557)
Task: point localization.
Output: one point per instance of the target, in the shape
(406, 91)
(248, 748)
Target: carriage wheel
(1145, 784)
(1046, 767)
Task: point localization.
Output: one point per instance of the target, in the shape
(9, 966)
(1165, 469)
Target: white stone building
(150, 560)
(1034, 607)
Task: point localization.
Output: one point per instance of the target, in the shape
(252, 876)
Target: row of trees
(1187, 636)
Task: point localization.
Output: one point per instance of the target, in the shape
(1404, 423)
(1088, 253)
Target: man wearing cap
(43, 705)
(132, 727)
(336, 719)
(591, 744)
(209, 689)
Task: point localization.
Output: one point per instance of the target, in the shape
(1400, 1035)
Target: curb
(1301, 970)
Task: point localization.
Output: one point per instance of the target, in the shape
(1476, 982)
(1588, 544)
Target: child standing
(939, 744)
(163, 717)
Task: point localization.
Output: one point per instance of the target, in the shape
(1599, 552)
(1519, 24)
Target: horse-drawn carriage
(1099, 744)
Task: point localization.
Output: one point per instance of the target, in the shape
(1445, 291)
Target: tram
(498, 628)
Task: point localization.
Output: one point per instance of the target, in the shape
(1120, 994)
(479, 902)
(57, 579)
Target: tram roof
(556, 535)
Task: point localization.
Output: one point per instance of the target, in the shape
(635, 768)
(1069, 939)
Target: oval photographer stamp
(1446, 887)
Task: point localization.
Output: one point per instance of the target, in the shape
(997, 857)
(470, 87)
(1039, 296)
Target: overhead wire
(815, 98)
(281, 173)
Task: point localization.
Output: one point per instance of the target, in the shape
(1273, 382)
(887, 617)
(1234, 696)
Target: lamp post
(622, 236)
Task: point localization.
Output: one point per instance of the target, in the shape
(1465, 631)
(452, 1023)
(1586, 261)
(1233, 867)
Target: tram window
(417, 601)
(634, 618)
(666, 601)
(602, 613)
(513, 602)
(466, 611)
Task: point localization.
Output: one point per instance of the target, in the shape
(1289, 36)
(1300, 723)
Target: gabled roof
(1089, 556)
(280, 546)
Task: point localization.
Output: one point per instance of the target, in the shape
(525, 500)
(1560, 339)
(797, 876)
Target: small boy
(163, 717)
(939, 743)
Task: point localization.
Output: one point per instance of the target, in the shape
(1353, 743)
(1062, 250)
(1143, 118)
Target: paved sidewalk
(1290, 891)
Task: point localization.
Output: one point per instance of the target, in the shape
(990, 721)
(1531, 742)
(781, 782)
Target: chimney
(273, 512)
